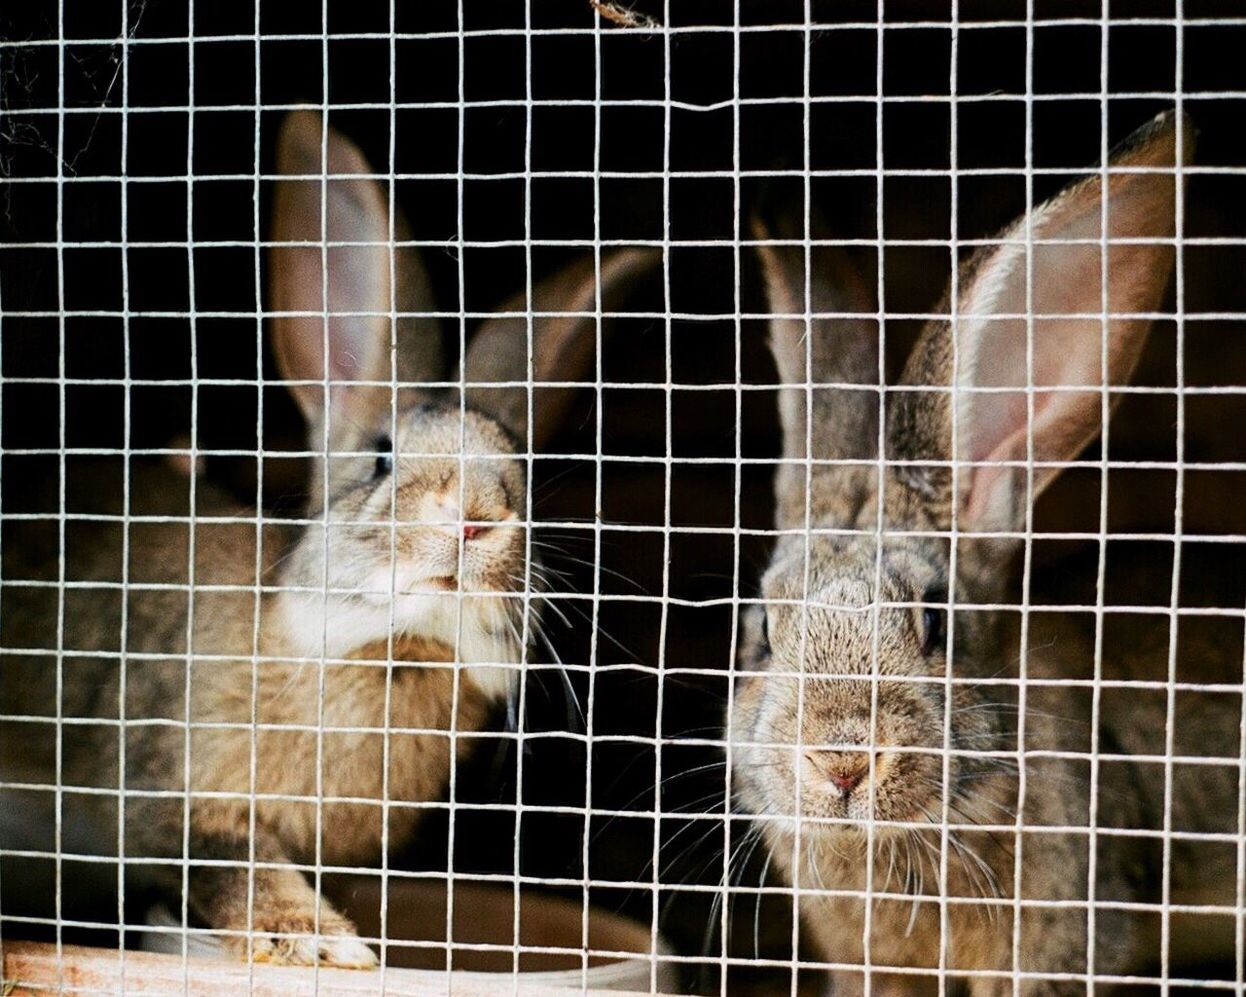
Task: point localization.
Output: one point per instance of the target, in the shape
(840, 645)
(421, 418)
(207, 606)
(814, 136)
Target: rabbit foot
(293, 941)
(273, 912)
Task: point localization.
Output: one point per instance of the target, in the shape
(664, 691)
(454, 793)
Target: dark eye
(934, 621)
(765, 632)
(384, 456)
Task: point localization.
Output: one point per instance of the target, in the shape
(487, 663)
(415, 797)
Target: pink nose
(472, 532)
(845, 770)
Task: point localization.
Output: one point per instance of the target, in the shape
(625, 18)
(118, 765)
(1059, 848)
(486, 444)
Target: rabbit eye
(934, 622)
(384, 456)
(765, 632)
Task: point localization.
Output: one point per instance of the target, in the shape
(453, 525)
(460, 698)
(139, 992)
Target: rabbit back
(85, 688)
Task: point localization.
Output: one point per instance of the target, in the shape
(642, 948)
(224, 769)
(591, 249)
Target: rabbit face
(818, 668)
(418, 543)
(415, 523)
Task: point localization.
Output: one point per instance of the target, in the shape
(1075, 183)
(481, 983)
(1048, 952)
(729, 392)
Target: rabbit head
(418, 492)
(840, 711)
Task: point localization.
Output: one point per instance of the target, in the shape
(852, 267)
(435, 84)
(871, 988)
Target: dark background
(661, 671)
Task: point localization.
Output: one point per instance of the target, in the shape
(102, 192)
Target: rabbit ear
(563, 347)
(840, 351)
(1078, 324)
(359, 280)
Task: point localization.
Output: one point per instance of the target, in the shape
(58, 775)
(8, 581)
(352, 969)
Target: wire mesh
(474, 502)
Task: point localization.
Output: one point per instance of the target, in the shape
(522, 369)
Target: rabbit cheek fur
(840, 716)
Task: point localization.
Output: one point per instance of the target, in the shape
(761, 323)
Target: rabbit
(863, 719)
(414, 546)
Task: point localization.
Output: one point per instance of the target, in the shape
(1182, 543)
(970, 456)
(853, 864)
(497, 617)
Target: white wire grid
(722, 955)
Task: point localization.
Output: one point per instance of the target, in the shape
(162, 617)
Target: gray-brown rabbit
(858, 708)
(424, 500)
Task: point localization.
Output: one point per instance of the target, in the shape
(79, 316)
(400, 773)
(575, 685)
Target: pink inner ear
(1064, 354)
(1060, 352)
(358, 280)
(985, 495)
(1044, 310)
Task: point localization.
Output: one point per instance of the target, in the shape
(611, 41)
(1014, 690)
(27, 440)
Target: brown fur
(849, 639)
(223, 686)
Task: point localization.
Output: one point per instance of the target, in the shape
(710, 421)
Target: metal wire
(573, 807)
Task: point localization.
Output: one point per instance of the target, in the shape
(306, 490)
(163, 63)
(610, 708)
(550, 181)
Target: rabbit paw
(293, 941)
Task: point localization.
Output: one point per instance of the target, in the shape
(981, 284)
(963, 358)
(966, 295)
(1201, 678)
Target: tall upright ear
(835, 354)
(1038, 321)
(348, 307)
(564, 346)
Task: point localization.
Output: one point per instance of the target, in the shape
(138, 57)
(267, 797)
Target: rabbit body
(329, 670)
(282, 757)
(865, 731)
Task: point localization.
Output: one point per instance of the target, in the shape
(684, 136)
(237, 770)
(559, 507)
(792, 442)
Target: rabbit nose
(472, 532)
(844, 769)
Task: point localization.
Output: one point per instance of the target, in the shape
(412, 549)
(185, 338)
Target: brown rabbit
(276, 644)
(880, 749)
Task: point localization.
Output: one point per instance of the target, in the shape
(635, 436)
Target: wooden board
(32, 968)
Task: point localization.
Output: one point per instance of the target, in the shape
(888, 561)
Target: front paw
(292, 940)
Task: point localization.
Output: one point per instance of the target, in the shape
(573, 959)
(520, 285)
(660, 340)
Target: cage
(704, 497)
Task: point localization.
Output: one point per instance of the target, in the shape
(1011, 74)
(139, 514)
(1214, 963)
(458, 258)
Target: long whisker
(765, 871)
(597, 566)
(574, 711)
